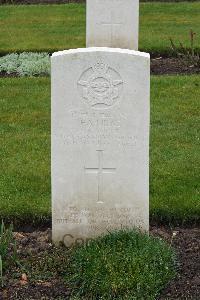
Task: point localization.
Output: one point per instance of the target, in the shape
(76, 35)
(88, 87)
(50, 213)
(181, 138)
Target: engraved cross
(100, 170)
(114, 26)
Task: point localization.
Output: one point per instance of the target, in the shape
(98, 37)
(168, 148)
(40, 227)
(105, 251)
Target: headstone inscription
(112, 23)
(100, 142)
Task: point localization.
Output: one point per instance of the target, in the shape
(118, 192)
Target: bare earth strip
(37, 245)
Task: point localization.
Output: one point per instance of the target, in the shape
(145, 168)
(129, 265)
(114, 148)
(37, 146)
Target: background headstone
(100, 142)
(112, 23)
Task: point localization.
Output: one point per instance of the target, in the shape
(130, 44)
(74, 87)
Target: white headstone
(112, 23)
(100, 142)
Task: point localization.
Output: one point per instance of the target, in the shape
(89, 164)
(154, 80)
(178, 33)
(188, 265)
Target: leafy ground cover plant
(26, 64)
(121, 265)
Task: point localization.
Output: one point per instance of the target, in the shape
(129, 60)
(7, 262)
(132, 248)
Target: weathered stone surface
(100, 142)
(112, 23)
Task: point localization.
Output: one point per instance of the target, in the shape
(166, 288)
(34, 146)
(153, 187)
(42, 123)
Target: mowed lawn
(174, 152)
(58, 27)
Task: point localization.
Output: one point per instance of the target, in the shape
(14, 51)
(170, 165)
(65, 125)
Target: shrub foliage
(26, 64)
(121, 265)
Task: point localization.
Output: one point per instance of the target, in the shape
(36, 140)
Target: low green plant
(7, 248)
(121, 265)
(26, 64)
(187, 54)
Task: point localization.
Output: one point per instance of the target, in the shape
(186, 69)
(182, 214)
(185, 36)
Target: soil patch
(4, 74)
(187, 245)
(37, 252)
(164, 66)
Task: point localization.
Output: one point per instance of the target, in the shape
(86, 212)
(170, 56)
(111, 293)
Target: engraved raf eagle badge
(100, 86)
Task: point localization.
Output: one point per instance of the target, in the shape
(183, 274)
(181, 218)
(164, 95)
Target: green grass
(175, 144)
(57, 27)
(121, 265)
(25, 149)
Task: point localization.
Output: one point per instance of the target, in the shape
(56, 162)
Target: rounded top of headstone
(101, 49)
